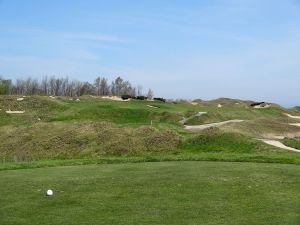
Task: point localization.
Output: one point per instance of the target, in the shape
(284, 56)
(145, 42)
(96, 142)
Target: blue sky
(248, 49)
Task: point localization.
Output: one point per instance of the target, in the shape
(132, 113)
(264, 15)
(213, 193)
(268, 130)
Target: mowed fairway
(153, 193)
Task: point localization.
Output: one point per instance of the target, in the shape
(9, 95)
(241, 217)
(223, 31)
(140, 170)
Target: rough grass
(80, 139)
(214, 140)
(61, 128)
(294, 143)
(153, 193)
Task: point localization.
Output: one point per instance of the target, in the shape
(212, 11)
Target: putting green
(153, 193)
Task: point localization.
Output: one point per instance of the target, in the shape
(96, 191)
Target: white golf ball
(49, 192)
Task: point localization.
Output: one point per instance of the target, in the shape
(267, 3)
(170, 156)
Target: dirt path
(205, 126)
(278, 144)
(184, 120)
(294, 117)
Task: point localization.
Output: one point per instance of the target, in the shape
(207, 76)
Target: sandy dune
(205, 126)
(291, 116)
(278, 144)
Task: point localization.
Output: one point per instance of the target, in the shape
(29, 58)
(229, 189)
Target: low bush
(141, 97)
(160, 99)
(125, 97)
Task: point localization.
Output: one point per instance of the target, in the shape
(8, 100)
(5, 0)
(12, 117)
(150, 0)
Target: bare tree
(104, 87)
(97, 85)
(150, 94)
(66, 87)
(139, 90)
(44, 85)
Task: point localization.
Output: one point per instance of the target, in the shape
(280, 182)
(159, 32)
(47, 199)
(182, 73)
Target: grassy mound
(78, 139)
(64, 128)
(214, 140)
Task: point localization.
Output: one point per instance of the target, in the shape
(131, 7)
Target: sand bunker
(20, 99)
(201, 113)
(294, 117)
(262, 107)
(276, 137)
(205, 126)
(114, 98)
(151, 106)
(15, 112)
(278, 144)
(295, 124)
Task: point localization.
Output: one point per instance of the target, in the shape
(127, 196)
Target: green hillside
(91, 127)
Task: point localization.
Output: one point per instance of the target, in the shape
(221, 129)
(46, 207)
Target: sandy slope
(278, 144)
(184, 120)
(205, 126)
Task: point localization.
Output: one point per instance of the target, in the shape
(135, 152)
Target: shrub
(141, 97)
(125, 97)
(159, 99)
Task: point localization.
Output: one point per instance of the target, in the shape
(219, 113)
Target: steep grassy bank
(63, 128)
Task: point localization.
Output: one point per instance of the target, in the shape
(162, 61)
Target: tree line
(69, 87)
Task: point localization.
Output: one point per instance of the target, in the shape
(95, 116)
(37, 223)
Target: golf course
(153, 193)
(149, 112)
(110, 161)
